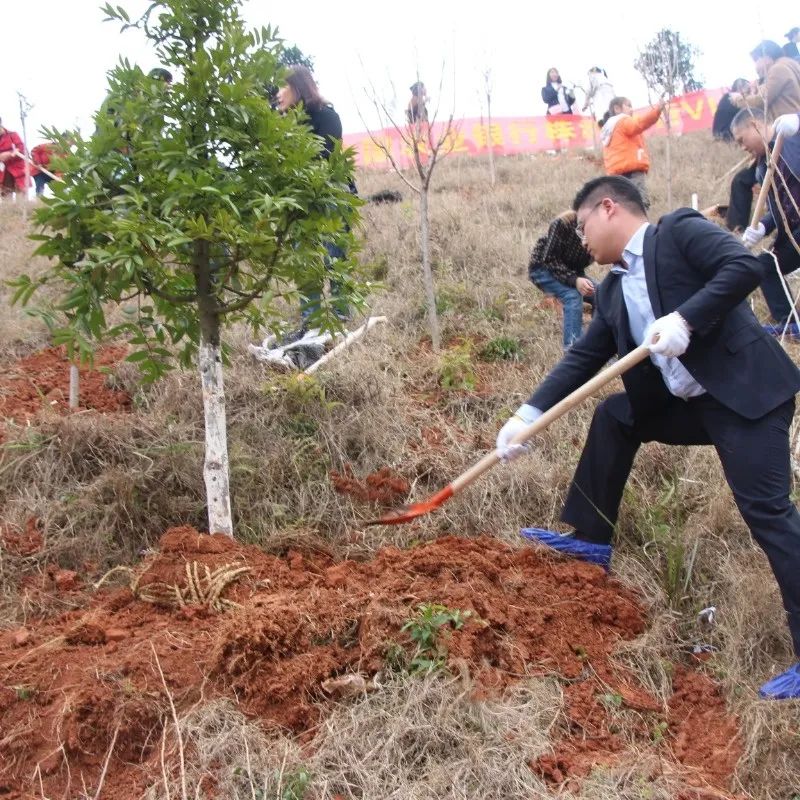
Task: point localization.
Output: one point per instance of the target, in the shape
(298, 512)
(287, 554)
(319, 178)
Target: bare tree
(488, 86)
(427, 141)
(667, 66)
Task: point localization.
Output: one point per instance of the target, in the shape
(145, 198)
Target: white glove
(523, 416)
(673, 336)
(753, 236)
(787, 124)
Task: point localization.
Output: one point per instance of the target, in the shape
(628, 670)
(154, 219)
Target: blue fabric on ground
(777, 330)
(599, 554)
(785, 686)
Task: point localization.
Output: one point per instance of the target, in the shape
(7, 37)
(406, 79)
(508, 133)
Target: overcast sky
(60, 64)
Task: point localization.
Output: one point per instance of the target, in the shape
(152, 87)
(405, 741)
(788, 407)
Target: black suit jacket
(705, 274)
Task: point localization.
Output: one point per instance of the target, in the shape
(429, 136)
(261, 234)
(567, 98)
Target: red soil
(42, 380)
(383, 488)
(22, 542)
(69, 686)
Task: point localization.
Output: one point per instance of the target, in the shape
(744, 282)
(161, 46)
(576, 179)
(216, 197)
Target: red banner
(510, 135)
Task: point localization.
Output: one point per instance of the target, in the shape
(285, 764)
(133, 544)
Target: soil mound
(42, 380)
(383, 488)
(89, 682)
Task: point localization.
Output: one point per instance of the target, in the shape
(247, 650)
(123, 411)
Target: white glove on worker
(753, 235)
(673, 336)
(525, 415)
(787, 124)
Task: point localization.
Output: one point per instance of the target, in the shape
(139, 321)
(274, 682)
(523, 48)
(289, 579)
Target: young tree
(488, 87)
(194, 205)
(667, 65)
(427, 142)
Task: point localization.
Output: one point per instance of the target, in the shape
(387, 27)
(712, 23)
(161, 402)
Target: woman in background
(301, 90)
(557, 97)
(600, 93)
(624, 152)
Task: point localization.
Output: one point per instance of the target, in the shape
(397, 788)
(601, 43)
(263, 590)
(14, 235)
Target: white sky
(60, 65)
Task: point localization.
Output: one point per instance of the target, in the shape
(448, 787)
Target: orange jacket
(623, 143)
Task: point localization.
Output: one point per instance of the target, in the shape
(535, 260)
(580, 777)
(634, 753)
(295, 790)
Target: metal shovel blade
(397, 516)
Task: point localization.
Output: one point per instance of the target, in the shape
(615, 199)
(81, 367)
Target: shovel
(772, 160)
(407, 513)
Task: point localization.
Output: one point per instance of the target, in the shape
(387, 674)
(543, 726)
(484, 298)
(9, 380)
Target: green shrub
(502, 348)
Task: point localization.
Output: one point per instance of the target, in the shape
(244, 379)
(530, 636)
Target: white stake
(74, 385)
(346, 342)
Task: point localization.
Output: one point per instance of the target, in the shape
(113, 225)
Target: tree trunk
(669, 163)
(489, 137)
(215, 469)
(74, 385)
(427, 273)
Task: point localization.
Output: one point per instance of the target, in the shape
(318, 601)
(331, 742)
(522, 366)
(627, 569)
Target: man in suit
(714, 377)
(752, 134)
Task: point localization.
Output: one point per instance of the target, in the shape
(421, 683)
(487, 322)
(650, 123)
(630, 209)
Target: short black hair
(617, 188)
(160, 74)
(767, 48)
(745, 116)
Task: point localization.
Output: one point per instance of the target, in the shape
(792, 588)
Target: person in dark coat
(558, 98)
(301, 90)
(790, 49)
(417, 109)
(751, 132)
(713, 377)
(726, 111)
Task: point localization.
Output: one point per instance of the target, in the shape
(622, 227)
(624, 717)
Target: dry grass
(107, 488)
(429, 738)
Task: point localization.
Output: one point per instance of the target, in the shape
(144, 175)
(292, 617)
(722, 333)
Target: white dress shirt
(640, 316)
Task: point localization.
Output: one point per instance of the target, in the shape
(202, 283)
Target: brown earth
(383, 488)
(42, 381)
(71, 686)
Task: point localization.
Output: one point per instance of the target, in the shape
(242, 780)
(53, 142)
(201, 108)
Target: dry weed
(430, 738)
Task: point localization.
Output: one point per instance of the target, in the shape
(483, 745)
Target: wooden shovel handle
(558, 410)
(772, 160)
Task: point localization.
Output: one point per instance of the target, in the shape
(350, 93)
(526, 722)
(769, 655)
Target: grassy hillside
(102, 490)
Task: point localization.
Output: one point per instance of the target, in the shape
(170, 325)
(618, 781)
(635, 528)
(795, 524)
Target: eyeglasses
(582, 224)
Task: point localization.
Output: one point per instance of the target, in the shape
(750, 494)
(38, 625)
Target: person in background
(15, 172)
(558, 267)
(779, 89)
(557, 97)
(42, 155)
(714, 377)
(737, 217)
(624, 152)
(417, 110)
(751, 132)
(600, 93)
(790, 49)
(727, 110)
(301, 91)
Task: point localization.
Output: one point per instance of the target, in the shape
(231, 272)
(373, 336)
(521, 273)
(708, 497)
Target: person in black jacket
(726, 111)
(301, 90)
(713, 377)
(558, 98)
(790, 49)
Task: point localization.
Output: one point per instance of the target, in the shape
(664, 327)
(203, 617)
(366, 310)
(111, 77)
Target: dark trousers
(741, 198)
(754, 455)
(771, 286)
